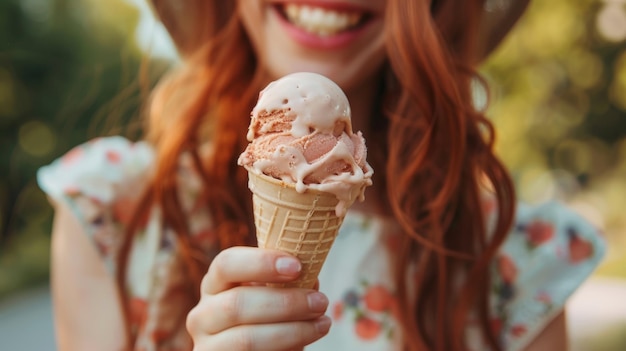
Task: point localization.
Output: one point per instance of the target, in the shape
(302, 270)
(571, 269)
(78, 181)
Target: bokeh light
(611, 20)
(36, 138)
(585, 68)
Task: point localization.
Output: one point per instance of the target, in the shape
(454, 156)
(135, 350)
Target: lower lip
(314, 41)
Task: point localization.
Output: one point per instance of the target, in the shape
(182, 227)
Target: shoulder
(100, 169)
(98, 183)
(549, 253)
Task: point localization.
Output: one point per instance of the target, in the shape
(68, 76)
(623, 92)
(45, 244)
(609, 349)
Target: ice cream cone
(302, 224)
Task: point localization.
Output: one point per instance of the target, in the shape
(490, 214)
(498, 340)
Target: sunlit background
(69, 71)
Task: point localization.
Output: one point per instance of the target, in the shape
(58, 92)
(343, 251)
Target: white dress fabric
(547, 255)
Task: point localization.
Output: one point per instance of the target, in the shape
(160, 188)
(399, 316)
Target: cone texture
(302, 224)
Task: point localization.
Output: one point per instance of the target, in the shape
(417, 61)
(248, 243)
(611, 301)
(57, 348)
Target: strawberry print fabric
(548, 254)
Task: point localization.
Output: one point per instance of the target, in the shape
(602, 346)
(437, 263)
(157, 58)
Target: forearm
(553, 337)
(87, 312)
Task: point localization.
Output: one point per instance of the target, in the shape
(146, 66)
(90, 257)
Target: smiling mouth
(323, 22)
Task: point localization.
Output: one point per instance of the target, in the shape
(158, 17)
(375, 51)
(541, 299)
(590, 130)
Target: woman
(432, 260)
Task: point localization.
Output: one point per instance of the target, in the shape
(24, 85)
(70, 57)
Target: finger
(268, 337)
(249, 264)
(256, 305)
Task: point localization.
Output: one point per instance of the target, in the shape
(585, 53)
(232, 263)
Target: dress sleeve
(100, 182)
(548, 255)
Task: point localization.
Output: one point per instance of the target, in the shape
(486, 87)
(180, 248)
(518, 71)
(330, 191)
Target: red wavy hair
(434, 144)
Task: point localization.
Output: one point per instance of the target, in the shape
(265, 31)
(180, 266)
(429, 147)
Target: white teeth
(321, 21)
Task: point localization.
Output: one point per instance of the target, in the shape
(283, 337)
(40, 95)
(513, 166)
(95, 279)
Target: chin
(343, 41)
(346, 76)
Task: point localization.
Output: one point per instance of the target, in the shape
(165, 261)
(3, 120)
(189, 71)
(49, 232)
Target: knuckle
(192, 321)
(289, 302)
(218, 264)
(204, 283)
(244, 340)
(307, 333)
(231, 305)
(303, 333)
(295, 335)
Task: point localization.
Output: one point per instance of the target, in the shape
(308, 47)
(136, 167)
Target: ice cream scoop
(301, 133)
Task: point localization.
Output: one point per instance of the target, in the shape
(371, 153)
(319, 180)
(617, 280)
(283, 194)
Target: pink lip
(313, 41)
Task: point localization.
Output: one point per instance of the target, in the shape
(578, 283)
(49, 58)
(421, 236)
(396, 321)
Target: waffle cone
(302, 224)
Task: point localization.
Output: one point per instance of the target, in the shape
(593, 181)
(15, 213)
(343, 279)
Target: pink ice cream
(301, 133)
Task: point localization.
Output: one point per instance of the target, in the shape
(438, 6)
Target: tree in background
(68, 72)
(559, 86)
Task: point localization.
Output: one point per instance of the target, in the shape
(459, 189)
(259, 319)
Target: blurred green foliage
(559, 106)
(69, 72)
(560, 99)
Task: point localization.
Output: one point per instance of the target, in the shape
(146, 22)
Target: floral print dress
(548, 254)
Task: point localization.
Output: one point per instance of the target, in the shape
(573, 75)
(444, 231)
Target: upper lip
(332, 5)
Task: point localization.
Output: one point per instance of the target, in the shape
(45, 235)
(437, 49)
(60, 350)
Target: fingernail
(317, 302)
(322, 325)
(288, 266)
